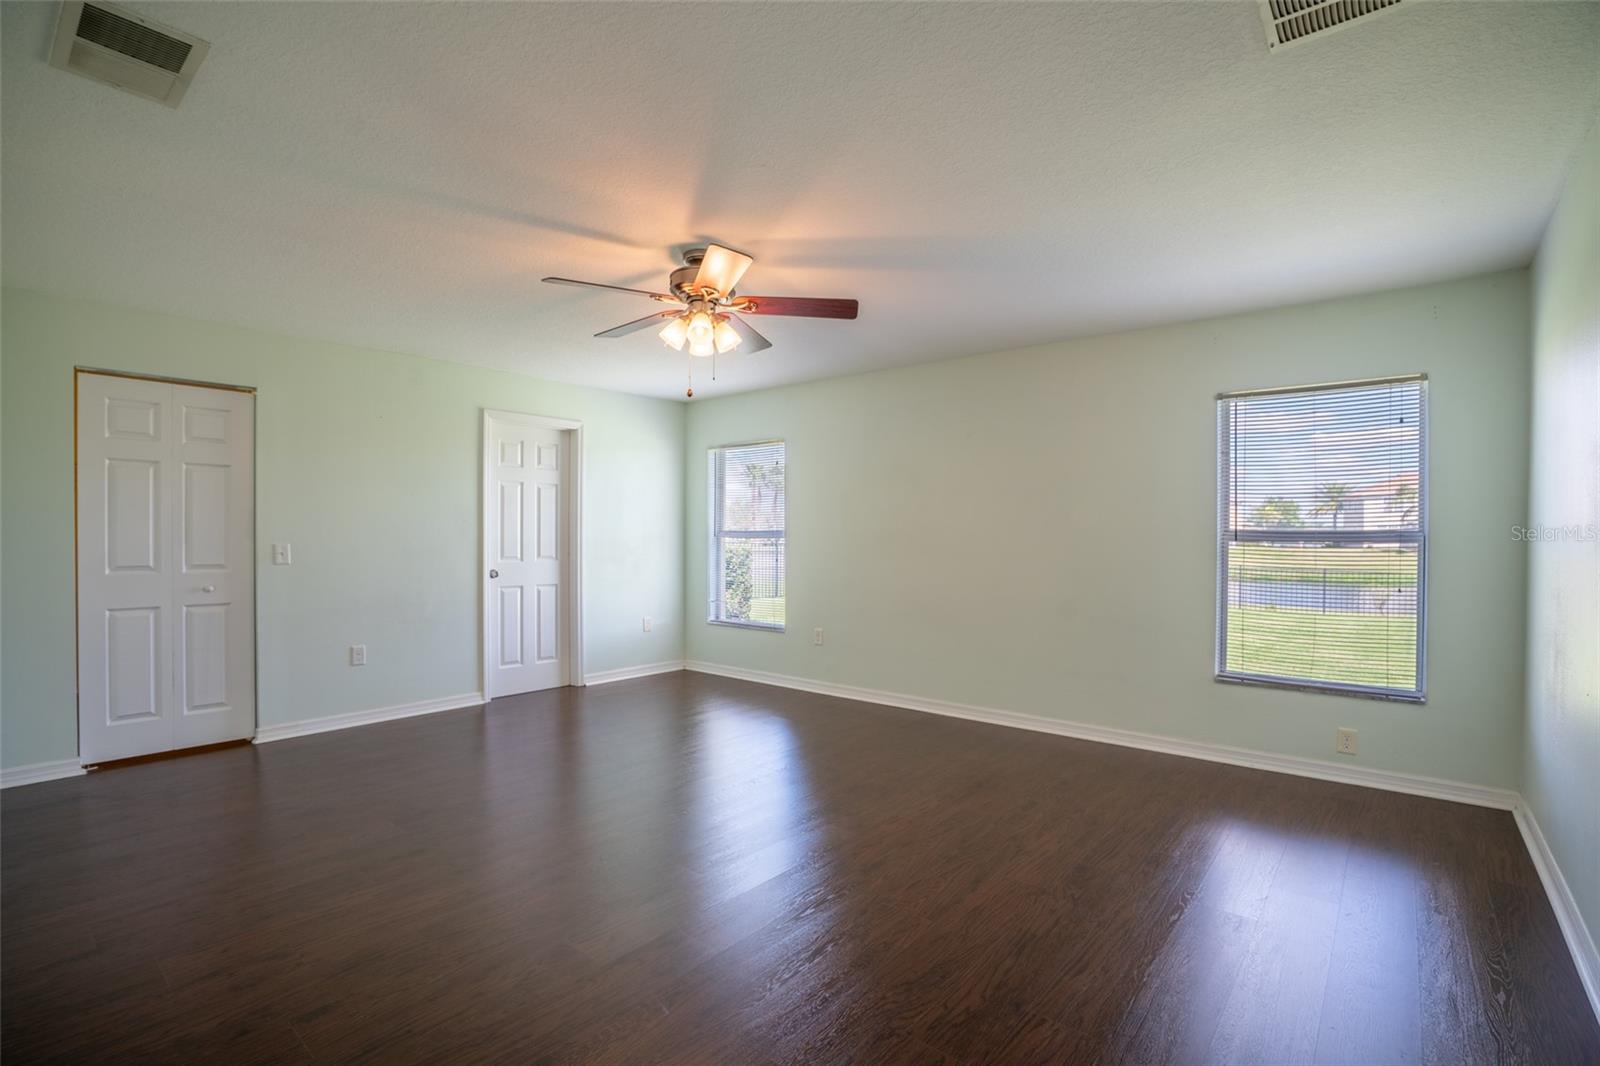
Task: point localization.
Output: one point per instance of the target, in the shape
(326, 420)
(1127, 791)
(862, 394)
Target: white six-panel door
(525, 519)
(166, 594)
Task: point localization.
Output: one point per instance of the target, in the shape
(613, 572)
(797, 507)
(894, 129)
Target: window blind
(747, 520)
(1322, 537)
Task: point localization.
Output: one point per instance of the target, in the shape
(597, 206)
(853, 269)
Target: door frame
(572, 558)
(255, 539)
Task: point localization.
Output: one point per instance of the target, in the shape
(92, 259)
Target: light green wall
(368, 463)
(1035, 530)
(1063, 495)
(1561, 769)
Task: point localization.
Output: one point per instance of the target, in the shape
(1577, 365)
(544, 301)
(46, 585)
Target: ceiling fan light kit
(705, 317)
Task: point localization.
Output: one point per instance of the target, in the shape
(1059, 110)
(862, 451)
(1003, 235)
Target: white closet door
(124, 567)
(166, 641)
(214, 598)
(527, 523)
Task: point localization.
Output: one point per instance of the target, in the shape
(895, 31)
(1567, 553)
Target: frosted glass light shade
(674, 333)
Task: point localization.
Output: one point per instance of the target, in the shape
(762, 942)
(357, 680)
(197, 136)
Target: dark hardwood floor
(691, 869)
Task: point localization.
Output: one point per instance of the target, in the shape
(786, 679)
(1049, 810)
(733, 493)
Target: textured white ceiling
(979, 176)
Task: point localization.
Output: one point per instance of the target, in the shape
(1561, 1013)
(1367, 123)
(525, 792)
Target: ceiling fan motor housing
(681, 279)
(684, 276)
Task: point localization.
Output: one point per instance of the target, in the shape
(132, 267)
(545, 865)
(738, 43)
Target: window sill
(1325, 690)
(764, 627)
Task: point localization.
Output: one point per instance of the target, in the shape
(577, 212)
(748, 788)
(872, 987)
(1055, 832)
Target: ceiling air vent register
(1295, 21)
(110, 44)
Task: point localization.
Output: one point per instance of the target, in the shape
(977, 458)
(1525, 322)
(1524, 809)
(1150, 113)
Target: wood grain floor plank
(1371, 1010)
(1273, 1010)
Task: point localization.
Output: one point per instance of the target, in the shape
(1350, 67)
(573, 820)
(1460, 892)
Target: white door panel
(166, 642)
(547, 516)
(526, 587)
(547, 612)
(133, 515)
(215, 593)
(124, 580)
(510, 642)
(135, 664)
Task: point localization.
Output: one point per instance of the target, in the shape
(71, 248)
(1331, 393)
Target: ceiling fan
(705, 311)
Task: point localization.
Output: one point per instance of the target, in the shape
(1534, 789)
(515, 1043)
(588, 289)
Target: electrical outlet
(816, 635)
(358, 655)
(647, 623)
(1347, 742)
(280, 555)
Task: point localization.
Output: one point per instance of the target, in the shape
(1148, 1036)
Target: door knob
(494, 573)
(208, 588)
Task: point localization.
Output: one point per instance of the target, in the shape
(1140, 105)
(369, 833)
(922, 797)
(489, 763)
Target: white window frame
(714, 485)
(1419, 537)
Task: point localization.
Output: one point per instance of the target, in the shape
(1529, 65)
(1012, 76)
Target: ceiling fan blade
(799, 306)
(721, 269)
(637, 324)
(615, 288)
(752, 341)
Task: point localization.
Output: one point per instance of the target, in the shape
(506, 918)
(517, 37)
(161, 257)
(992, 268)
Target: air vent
(111, 44)
(1295, 21)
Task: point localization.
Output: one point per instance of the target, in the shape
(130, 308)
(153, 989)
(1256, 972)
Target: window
(1322, 511)
(747, 516)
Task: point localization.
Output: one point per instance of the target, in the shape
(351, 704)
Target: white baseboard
(1457, 791)
(33, 773)
(1573, 928)
(307, 726)
(628, 672)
